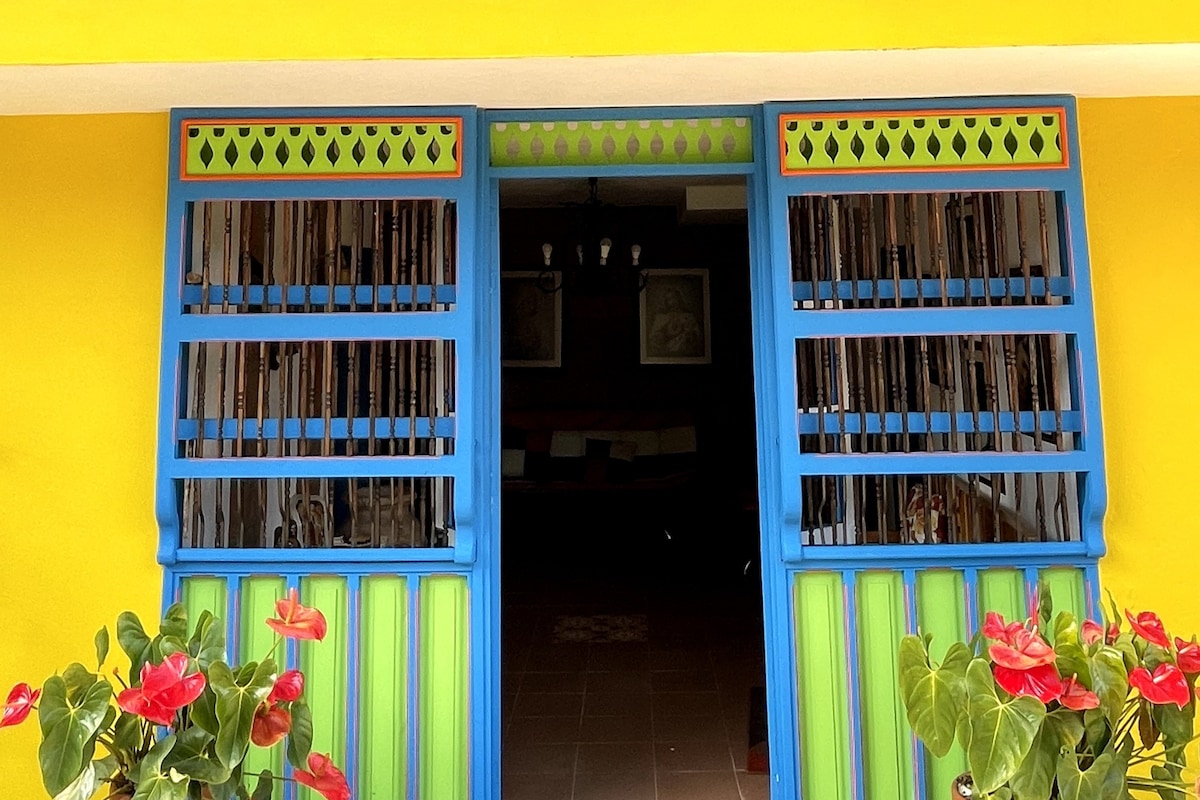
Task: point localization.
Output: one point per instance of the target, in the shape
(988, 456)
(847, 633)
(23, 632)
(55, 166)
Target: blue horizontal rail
(314, 428)
(337, 326)
(343, 295)
(314, 556)
(931, 288)
(942, 463)
(452, 466)
(937, 422)
(946, 556)
(971, 321)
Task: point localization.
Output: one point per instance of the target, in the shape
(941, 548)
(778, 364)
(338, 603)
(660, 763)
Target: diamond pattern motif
(726, 140)
(321, 148)
(923, 140)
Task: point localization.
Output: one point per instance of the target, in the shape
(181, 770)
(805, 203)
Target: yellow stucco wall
(82, 204)
(82, 31)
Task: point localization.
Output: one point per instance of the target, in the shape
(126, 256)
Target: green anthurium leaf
(237, 700)
(1003, 793)
(1147, 729)
(78, 679)
(1113, 787)
(134, 641)
(246, 670)
(83, 787)
(265, 788)
(1110, 682)
(168, 645)
(204, 711)
(128, 731)
(299, 742)
(1002, 731)
(101, 647)
(191, 757)
(1130, 655)
(1066, 726)
(1154, 656)
(155, 780)
(1095, 727)
(211, 646)
(1175, 722)
(933, 698)
(1034, 778)
(1045, 607)
(958, 658)
(1076, 784)
(1168, 775)
(228, 789)
(67, 728)
(202, 623)
(174, 623)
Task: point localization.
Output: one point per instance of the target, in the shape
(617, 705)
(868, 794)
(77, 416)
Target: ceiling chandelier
(594, 266)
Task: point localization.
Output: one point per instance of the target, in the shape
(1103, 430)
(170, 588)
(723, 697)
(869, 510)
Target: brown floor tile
(615, 757)
(553, 681)
(549, 705)
(715, 785)
(616, 729)
(689, 729)
(701, 756)
(539, 759)
(623, 785)
(754, 785)
(619, 656)
(537, 787)
(673, 657)
(701, 680)
(681, 704)
(559, 657)
(616, 704)
(543, 730)
(629, 682)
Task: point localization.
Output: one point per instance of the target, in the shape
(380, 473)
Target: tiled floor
(664, 718)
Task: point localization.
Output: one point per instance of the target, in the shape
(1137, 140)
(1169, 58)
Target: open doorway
(632, 604)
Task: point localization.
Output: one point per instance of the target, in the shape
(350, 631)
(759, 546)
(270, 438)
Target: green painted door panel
(941, 612)
(443, 687)
(384, 681)
(1002, 590)
(1067, 590)
(822, 686)
(325, 665)
(257, 596)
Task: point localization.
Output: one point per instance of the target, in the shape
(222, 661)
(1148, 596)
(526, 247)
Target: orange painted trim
(331, 122)
(1057, 111)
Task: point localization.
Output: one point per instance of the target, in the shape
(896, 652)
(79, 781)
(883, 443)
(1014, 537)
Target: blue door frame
(776, 326)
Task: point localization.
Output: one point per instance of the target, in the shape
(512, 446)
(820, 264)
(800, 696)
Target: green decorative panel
(1002, 590)
(822, 688)
(257, 601)
(326, 668)
(887, 739)
(1067, 590)
(202, 593)
(941, 611)
(383, 756)
(605, 143)
(321, 148)
(933, 141)
(444, 647)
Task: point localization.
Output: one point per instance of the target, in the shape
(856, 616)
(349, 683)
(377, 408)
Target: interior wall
(82, 214)
(1143, 226)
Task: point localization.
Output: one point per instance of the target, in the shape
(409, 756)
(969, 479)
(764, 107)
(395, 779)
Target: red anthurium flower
(165, 689)
(1187, 656)
(1076, 696)
(1091, 632)
(296, 621)
(288, 687)
(1041, 682)
(994, 627)
(1112, 633)
(20, 703)
(1027, 650)
(271, 723)
(1148, 626)
(1166, 685)
(323, 776)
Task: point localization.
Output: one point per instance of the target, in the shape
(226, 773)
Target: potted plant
(180, 727)
(1051, 708)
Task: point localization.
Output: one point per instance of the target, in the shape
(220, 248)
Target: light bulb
(547, 249)
(605, 246)
(636, 252)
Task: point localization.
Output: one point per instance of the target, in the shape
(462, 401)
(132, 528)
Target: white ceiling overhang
(716, 78)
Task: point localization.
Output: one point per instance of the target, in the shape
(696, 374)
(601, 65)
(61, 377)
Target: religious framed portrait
(531, 319)
(674, 315)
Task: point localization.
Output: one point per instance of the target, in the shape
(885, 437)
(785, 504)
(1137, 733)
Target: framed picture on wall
(674, 315)
(531, 319)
